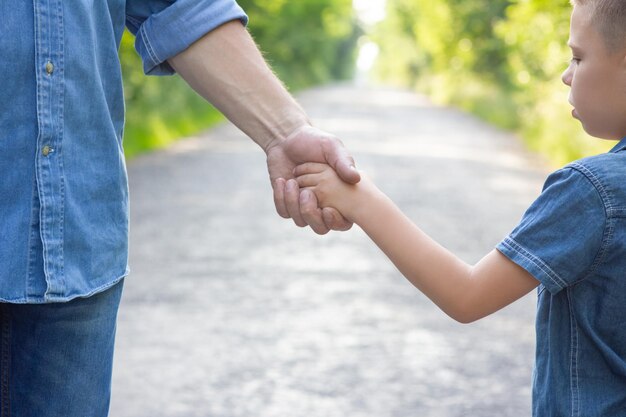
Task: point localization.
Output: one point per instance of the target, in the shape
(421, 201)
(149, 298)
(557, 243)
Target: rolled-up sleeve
(164, 28)
(562, 236)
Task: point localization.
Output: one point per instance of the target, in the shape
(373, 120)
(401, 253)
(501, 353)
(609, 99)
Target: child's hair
(609, 17)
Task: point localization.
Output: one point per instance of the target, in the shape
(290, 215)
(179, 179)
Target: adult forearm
(228, 70)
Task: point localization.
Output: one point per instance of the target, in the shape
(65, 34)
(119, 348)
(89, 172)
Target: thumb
(337, 157)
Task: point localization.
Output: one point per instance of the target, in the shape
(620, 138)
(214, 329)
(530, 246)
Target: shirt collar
(621, 145)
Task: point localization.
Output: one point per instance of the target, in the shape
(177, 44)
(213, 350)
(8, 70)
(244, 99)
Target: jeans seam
(5, 330)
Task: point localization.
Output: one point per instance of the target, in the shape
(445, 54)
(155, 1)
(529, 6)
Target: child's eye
(574, 61)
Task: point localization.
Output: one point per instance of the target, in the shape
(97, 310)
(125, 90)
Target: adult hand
(226, 68)
(308, 144)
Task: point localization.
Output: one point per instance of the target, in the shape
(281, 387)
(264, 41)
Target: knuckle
(345, 226)
(299, 222)
(309, 211)
(321, 232)
(282, 214)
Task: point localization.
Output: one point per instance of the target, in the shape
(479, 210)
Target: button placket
(49, 46)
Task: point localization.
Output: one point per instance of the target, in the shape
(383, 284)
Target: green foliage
(306, 42)
(158, 109)
(501, 59)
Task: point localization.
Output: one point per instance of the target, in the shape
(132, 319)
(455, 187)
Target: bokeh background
(498, 59)
(232, 311)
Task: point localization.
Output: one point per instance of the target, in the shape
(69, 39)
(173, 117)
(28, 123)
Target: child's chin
(602, 135)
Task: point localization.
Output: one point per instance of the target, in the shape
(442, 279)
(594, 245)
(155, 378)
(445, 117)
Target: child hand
(329, 189)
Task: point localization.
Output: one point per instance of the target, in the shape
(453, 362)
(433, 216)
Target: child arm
(464, 292)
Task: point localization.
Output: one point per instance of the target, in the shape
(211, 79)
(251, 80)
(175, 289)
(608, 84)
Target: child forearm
(464, 292)
(434, 270)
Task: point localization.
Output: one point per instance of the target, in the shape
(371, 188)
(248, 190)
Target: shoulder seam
(609, 212)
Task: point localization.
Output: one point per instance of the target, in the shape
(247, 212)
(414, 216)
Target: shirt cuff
(532, 264)
(171, 31)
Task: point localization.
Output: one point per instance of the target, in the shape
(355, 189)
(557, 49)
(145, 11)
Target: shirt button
(49, 68)
(46, 150)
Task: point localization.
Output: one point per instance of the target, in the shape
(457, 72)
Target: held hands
(265, 112)
(351, 200)
(308, 144)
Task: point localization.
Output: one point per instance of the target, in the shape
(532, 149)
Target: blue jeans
(56, 359)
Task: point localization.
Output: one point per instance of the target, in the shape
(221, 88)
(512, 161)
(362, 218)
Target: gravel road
(231, 311)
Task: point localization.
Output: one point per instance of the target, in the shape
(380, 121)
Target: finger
(311, 213)
(309, 168)
(338, 157)
(279, 197)
(292, 201)
(308, 180)
(334, 220)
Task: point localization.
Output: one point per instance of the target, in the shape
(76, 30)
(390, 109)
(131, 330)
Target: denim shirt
(573, 241)
(63, 187)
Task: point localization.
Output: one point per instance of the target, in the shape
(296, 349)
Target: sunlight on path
(231, 311)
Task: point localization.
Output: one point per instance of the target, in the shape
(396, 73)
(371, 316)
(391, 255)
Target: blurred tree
(307, 42)
(158, 109)
(500, 59)
(442, 36)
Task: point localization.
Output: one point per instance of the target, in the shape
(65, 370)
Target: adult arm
(227, 69)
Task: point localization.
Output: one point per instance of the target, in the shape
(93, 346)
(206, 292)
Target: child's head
(597, 72)
(609, 18)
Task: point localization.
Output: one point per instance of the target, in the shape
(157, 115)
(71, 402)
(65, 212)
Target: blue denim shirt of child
(63, 186)
(573, 240)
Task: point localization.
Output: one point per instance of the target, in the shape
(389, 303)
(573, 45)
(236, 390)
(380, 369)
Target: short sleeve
(164, 28)
(561, 236)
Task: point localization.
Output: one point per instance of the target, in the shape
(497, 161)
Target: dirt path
(232, 311)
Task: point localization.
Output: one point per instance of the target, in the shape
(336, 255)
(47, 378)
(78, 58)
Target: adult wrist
(285, 133)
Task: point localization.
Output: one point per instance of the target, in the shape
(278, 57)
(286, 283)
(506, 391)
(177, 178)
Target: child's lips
(574, 112)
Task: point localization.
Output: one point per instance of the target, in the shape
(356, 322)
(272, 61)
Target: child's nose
(566, 77)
